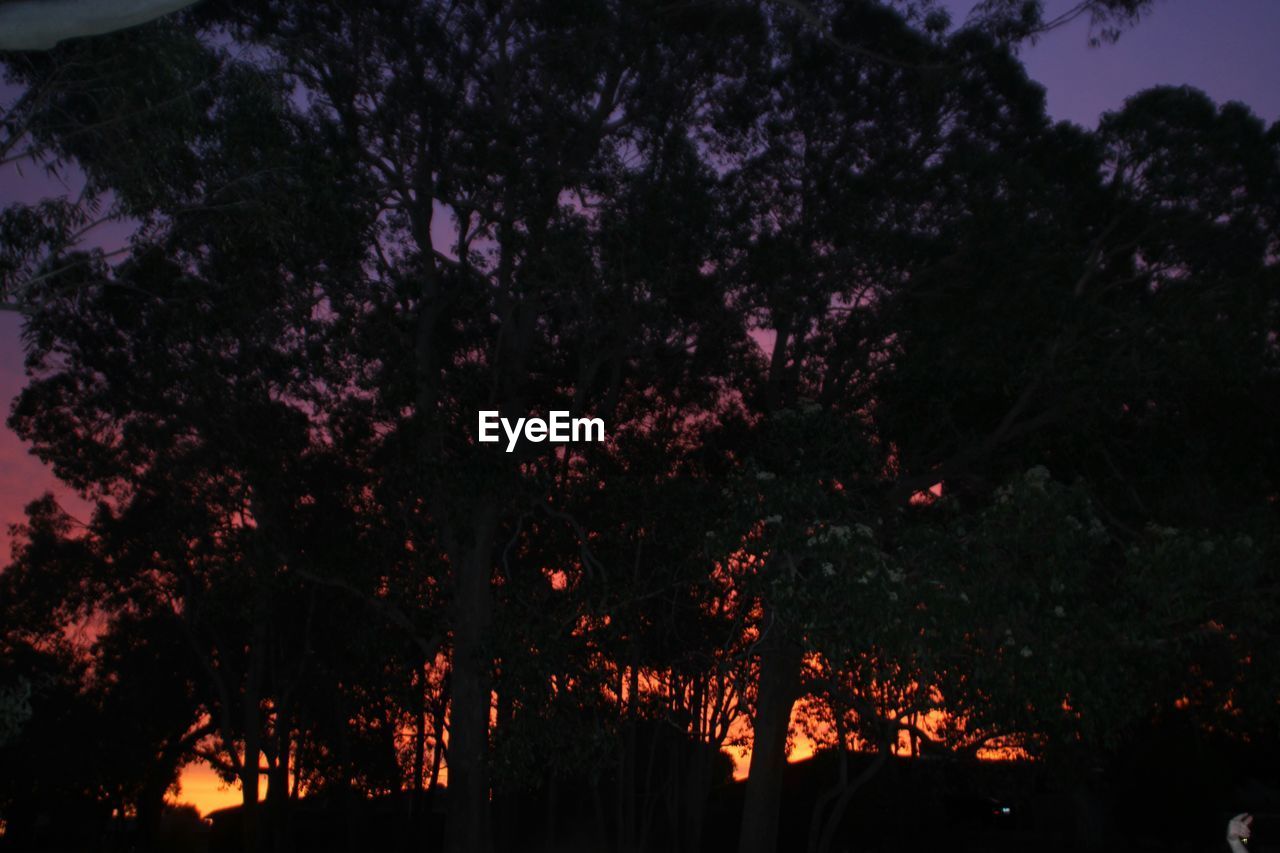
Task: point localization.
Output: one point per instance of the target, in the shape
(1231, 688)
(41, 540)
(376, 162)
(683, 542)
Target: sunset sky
(1225, 47)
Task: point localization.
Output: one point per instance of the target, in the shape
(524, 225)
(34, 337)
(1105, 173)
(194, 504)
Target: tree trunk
(625, 804)
(278, 788)
(298, 752)
(437, 731)
(502, 801)
(249, 779)
(468, 790)
(780, 658)
(249, 792)
(419, 746)
(628, 829)
(696, 790)
(150, 809)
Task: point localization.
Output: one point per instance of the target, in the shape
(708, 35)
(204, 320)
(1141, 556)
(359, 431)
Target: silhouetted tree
(813, 263)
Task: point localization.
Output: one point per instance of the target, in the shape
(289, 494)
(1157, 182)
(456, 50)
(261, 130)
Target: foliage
(844, 296)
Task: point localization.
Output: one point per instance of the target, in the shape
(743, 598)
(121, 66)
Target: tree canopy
(934, 426)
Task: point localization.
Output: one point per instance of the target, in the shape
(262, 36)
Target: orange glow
(199, 785)
(929, 496)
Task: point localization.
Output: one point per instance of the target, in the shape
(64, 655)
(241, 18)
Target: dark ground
(1165, 795)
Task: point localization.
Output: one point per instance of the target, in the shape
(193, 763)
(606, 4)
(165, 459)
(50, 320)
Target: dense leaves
(942, 423)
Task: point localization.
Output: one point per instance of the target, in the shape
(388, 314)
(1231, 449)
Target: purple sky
(1226, 47)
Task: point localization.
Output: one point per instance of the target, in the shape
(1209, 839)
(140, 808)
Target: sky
(1225, 47)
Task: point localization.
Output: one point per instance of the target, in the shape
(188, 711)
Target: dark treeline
(944, 426)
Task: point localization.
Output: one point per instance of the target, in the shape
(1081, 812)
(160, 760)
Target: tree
(1005, 237)
(1016, 20)
(512, 163)
(804, 284)
(121, 701)
(84, 113)
(186, 355)
(861, 189)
